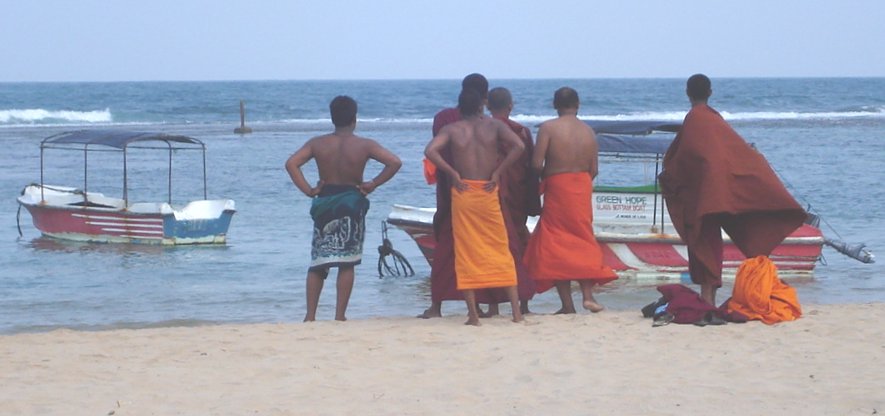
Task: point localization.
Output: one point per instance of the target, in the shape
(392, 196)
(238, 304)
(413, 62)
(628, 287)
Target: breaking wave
(33, 116)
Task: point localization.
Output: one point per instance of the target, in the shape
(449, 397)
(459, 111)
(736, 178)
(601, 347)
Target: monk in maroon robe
(519, 195)
(713, 180)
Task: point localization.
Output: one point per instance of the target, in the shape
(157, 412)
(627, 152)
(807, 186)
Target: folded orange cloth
(562, 246)
(760, 295)
(429, 172)
(482, 253)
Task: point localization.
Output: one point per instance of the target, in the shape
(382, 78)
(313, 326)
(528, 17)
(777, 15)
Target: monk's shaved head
(565, 97)
(499, 99)
(698, 87)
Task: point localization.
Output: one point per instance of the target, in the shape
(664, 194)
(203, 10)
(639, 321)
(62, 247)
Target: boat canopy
(633, 127)
(118, 139)
(634, 137)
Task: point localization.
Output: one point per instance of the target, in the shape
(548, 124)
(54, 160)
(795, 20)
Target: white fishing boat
(72, 213)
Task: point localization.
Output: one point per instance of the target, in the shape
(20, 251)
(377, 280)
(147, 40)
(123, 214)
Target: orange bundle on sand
(482, 253)
(760, 295)
(562, 246)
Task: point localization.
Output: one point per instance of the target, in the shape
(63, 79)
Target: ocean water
(824, 136)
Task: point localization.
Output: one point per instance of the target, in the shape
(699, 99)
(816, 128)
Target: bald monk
(562, 247)
(482, 253)
(713, 180)
(519, 196)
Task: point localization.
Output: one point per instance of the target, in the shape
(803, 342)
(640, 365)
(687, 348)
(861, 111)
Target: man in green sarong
(340, 204)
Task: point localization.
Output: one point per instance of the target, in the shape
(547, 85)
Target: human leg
(701, 273)
(472, 310)
(524, 307)
(564, 288)
(589, 301)
(513, 294)
(313, 288)
(344, 285)
(708, 293)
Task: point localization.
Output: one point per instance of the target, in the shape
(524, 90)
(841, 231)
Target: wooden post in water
(242, 129)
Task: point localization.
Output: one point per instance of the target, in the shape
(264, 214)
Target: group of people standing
(489, 186)
(489, 176)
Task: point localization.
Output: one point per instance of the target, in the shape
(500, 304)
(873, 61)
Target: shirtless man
(562, 247)
(339, 200)
(442, 269)
(482, 254)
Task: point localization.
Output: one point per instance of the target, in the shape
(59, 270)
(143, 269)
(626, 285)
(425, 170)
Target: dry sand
(832, 361)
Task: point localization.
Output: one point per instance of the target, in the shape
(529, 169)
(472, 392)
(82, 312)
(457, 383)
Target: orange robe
(562, 246)
(482, 250)
(760, 295)
(713, 179)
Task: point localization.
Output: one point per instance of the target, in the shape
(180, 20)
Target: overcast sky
(92, 40)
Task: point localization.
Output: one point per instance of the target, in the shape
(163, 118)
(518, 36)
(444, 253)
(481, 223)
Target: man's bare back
(566, 144)
(474, 146)
(473, 143)
(341, 158)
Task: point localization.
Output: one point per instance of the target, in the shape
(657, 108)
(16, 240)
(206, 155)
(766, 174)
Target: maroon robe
(713, 179)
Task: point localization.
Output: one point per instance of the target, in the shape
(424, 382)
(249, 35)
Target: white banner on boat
(614, 207)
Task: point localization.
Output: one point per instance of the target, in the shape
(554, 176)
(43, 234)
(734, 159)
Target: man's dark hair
(698, 87)
(499, 99)
(469, 103)
(343, 109)
(565, 97)
(478, 83)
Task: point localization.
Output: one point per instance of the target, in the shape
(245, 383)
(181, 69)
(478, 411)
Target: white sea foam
(33, 116)
(679, 115)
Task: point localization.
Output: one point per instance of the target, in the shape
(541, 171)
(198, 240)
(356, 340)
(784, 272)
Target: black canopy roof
(634, 136)
(115, 138)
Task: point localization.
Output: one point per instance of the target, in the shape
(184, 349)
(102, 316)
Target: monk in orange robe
(562, 247)
(482, 256)
(713, 180)
(442, 268)
(519, 198)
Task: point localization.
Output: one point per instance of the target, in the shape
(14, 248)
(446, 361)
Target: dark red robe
(713, 179)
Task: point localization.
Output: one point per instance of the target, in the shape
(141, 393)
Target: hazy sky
(106, 40)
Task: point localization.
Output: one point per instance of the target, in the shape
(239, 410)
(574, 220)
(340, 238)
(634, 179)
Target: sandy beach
(828, 362)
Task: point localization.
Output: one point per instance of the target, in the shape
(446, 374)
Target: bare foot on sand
(592, 306)
(472, 321)
(429, 313)
(564, 311)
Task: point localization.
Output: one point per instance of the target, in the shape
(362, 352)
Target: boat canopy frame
(120, 141)
(638, 140)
